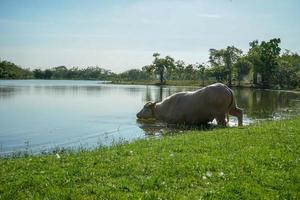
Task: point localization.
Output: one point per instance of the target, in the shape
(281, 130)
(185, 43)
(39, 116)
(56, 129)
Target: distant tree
(48, 74)
(179, 70)
(134, 74)
(74, 73)
(226, 58)
(270, 51)
(190, 72)
(288, 73)
(9, 70)
(218, 72)
(60, 72)
(38, 74)
(160, 65)
(147, 69)
(254, 57)
(241, 68)
(264, 59)
(201, 71)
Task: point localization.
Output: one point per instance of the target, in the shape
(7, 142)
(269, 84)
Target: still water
(39, 115)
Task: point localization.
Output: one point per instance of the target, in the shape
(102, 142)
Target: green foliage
(161, 65)
(219, 72)
(60, 72)
(134, 74)
(201, 72)
(264, 59)
(75, 73)
(288, 73)
(241, 68)
(263, 62)
(183, 71)
(223, 60)
(260, 161)
(9, 70)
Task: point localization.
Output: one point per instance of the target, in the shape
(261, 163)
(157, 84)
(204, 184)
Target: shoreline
(196, 84)
(183, 83)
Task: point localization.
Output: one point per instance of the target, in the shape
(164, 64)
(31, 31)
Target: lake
(41, 115)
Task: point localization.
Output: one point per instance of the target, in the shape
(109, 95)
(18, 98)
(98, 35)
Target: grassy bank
(261, 161)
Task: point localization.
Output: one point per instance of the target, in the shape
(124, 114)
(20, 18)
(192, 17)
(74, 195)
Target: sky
(123, 34)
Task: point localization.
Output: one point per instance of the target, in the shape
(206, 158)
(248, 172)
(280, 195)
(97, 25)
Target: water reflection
(158, 93)
(7, 92)
(266, 104)
(10, 91)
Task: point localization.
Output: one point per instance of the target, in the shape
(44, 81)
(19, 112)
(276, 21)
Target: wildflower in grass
(221, 174)
(172, 154)
(57, 156)
(204, 177)
(208, 174)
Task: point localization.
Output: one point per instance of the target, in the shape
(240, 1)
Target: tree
(60, 72)
(264, 59)
(9, 70)
(179, 70)
(38, 74)
(269, 54)
(133, 74)
(241, 68)
(226, 58)
(254, 57)
(201, 71)
(190, 72)
(48, 74)
(160, 65)
(288, 73)
(147, 69)
(218, 72)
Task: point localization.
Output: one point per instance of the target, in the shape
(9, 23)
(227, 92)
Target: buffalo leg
(221, 120)
(227, 118)
(237, 113)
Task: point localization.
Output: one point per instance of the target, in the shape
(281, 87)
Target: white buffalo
(201, 106)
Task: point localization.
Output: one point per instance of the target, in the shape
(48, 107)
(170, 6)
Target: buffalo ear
(148, 103)
(152, 104)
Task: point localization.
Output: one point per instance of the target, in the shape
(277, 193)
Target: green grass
(261, 161)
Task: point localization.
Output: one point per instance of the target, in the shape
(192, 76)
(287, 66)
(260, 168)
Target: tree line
(75, 73)
(9, 70)
(264, 65)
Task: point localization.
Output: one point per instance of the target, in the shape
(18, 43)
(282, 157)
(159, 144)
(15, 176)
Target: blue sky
(123, 34)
